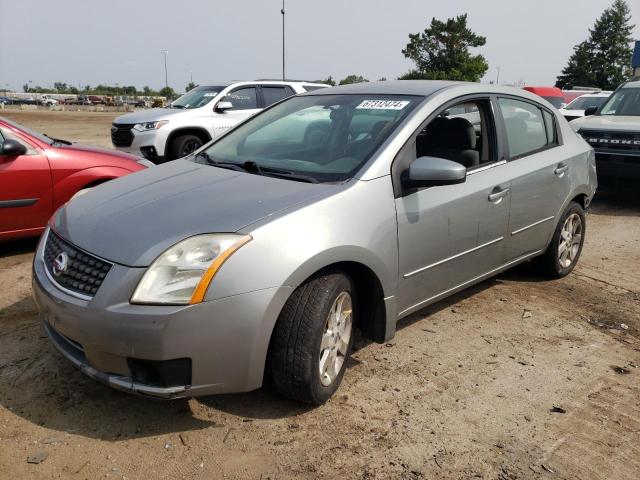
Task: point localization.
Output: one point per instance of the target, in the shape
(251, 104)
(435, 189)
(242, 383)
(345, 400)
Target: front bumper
(150, 144)
(226, 340)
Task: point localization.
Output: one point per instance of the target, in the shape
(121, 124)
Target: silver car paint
(421, 247)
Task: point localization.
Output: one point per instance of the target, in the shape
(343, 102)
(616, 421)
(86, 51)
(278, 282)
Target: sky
(84, 42)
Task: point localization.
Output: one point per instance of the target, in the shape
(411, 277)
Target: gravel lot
(466, 389)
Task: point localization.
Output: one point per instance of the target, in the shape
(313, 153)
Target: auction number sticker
(384, 104)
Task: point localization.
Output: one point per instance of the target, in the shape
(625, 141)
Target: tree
(190, 86)
(352, 79)
(604, 59)
(167, 92)
(328, 81)
(441, 52)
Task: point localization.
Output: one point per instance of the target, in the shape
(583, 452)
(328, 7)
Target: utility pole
(282, 12)
(166, 77)
(498, 77)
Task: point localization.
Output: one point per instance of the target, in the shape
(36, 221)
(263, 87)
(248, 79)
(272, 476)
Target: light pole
(282, 12)
(166, 77)
(498, 77)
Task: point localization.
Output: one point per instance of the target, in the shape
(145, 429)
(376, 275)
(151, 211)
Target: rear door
(26, 195)
(539, 171)
(271, 94)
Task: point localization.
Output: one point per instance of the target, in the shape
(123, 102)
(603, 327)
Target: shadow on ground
(621, 200)
(18, 247)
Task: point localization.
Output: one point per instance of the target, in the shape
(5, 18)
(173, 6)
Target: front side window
(625, 101)
(6, 134)
(525, 127)
(243, 98)
(461, 133)
(325, 138)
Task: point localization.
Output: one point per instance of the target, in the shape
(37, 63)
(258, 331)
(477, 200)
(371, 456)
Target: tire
(557, 261)
(183, 145)
(297, 348)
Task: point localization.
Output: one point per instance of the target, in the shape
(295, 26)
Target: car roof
(391, 87)
(631, 84)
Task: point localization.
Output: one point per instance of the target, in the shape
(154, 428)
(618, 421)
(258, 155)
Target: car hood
(75, 147)
(131, 220)
(608, 122)
(150, 115)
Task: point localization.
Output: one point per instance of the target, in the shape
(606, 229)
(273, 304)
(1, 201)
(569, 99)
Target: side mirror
(432, 172)
(12, 148)
(223, 106)
(590, 111)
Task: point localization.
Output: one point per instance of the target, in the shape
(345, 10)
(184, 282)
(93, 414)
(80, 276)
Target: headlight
(182, 274)
(143, 127)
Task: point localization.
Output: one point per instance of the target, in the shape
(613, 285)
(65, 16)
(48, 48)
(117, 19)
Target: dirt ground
(466, 389)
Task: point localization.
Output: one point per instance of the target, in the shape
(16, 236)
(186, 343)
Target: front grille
(82, 273)
(121, 135)
(627, 143)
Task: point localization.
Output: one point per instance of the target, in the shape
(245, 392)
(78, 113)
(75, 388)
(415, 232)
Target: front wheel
(313, 338)
(183, 145)
(566, 245)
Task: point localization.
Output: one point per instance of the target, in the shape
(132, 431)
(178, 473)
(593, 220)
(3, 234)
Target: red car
(553, 95)
(38, 174)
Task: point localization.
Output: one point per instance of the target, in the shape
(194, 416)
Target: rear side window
(272, 95)
(525, 127)
(243, 98)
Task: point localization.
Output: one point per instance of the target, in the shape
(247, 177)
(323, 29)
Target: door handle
(499, 195)
(560, 169)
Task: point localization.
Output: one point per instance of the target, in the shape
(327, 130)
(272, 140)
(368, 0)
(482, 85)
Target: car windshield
(582, 103)
(555, 101)
(196, 98)
(28, 131)
(320, 138)
(625, 101)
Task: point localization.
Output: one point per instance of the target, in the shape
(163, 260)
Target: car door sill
(479, 278)
(524, 229)
(448, 259)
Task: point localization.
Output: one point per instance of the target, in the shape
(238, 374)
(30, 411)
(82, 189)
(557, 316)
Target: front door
(26, 196)
(245, 104)
(448, 236)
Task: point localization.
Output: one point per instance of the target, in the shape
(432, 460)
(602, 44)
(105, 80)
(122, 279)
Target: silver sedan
(351, 207)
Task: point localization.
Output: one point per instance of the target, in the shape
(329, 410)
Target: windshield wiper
(252, 167)
(171, 105)
(216, 163)
(58, 140)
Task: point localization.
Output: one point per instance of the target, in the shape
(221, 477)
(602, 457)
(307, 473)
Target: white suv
(198, 116)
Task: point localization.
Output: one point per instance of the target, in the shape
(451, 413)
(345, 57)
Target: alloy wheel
(570, 240)
(335, 338)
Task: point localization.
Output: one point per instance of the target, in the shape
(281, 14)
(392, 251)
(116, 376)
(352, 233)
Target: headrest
(456, 133)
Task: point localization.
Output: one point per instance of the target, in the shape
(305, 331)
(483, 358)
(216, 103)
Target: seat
(450, 138)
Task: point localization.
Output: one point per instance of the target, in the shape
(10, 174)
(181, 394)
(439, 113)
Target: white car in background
(576, 108)
(198, 116)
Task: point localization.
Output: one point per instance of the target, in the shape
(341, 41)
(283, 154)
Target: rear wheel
(183, 145)
(313, 338)
(566, 245)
